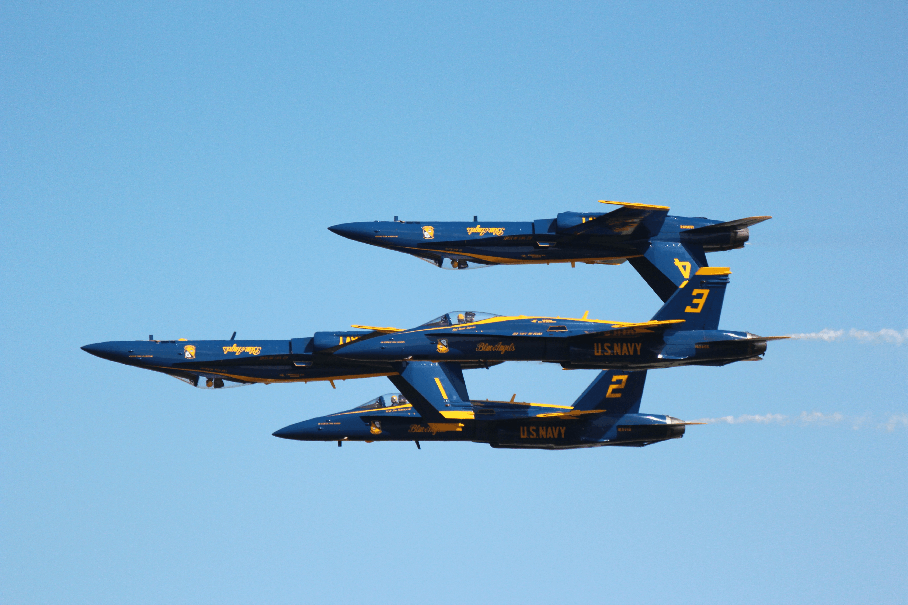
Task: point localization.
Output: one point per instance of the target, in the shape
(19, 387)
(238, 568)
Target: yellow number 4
(697, 301)
(618, 384)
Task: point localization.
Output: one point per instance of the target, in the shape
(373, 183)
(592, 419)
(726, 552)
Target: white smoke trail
(896, 421)
(887, 335)
(892, 423)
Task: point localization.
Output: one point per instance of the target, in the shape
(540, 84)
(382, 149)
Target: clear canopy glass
(387, 400)
(454, 318)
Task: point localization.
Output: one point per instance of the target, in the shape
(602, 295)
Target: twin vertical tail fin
(698, 301)
(614, 392)
(431, 387)
(666, 265)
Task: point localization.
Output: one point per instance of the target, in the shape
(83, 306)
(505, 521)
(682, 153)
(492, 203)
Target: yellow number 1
(697, 301)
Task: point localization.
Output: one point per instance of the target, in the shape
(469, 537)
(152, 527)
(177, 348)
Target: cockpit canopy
(458, 317)
(387, 400)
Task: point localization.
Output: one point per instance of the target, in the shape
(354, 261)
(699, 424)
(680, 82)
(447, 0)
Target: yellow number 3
(697, 301)
(618, 384)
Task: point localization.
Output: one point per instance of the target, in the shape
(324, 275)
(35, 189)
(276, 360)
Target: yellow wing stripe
(376, 328)
(633, 205)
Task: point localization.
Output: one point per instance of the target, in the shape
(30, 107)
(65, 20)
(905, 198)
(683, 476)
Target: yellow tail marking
(713, 271)
(618, 383)
(699, 302)
(442, 389)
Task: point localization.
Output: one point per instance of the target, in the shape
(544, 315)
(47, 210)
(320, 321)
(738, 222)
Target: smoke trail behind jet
(886, 335)
(890, 424)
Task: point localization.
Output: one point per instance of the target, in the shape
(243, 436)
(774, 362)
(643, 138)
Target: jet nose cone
(98, 349)
(299, 431)
(106, 350)
(360, 232)
(283, 433)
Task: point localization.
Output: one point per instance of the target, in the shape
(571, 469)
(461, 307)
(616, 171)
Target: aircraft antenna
(234, 335)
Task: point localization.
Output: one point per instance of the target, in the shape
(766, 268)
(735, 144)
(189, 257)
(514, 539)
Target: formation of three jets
(425, 362)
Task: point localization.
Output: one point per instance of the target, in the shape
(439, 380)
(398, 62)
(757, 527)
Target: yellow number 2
(618, 384)
(697, 301)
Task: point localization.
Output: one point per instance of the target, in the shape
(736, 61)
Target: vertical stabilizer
(431, 386)
(698, 301)
(615, 392)
(666, 265)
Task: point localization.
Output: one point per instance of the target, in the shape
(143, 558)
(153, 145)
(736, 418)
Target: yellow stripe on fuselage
(504, 318)
(393, 408)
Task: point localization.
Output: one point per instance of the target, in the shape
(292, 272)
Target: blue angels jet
(685, 331)
(229, 363)
(434, 406)
(663, 249)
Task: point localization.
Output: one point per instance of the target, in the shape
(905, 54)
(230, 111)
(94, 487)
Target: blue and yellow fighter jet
(663, 249)
(229, 363)
(434, 406)
(685, 331)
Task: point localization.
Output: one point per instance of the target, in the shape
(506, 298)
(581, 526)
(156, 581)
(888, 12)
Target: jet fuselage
(500, 424)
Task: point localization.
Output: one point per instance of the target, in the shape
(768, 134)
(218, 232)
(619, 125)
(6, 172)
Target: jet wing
(736, 224)
(631, 220)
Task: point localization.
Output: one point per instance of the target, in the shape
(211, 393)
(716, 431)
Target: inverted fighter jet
(436, 407)
(230, 363)
(685, 331)
(663, 249)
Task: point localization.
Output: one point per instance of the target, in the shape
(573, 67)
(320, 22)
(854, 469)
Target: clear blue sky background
(171, 169)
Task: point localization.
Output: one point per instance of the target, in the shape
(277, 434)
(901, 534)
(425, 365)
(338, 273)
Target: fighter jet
(685, 331)
(436, 407)
(663, 249)
(231, 363)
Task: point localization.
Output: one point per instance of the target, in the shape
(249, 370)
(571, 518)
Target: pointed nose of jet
(301, 431)
(361, 232)
(104, 350)
(112, 351)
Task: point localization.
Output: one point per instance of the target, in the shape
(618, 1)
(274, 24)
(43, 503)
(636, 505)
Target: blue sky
(171, 169)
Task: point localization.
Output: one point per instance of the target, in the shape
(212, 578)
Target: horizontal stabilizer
(736, 224)
(755, 338)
